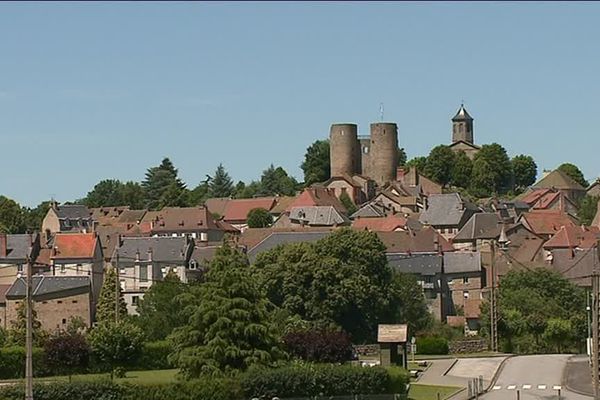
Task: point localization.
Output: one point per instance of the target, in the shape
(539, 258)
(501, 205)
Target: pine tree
(229, 327)
(105, 310)
(221, 184)
(160, 180)
(276, 181)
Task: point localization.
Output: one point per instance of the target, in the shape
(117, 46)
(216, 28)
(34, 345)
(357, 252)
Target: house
(316, 196)
(573, 237)
(481, 227)
(67, 218)
(401, 199)
(594, 189)
(550, 199)
(316, 216)
(257, 241)
(372, 209)
(546, 223)
(78, 254)
(195, 222)
(107, 215)
(14, 250)
(562, 182)
(235, 211)
(426, 240)
(410, 177)
(57, 299)
(140, 261)
(3, 289)
(508, 210)
(359, 189)
(447, 213)
(393, 222)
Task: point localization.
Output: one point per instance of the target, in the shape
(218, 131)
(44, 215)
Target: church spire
(462, 126)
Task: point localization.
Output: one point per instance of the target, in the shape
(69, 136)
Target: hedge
(12, 361)
(302, 380)
(432, 345)
(213, 389)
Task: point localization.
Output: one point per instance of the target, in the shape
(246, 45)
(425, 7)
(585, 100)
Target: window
(143, 273)
(122, 271)
(203, 236)
(64, 320)
(466, 294)
(20, 268)
(44, 302)
(74, 301)
(135, 300)
(63, 268)
(59, 302)
(122, 284)
(78, 267)
(466, 280)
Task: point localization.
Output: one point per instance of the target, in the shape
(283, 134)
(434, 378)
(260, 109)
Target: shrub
(116, 345)
(432, 345)
(154, 356)
(215, 389)
(67, 353)
(313, 379)
(12, 363)
(325, 346)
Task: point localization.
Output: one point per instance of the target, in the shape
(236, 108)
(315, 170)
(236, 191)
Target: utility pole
(32, 255)
(595, 326)
(493, 302)
(117, 290)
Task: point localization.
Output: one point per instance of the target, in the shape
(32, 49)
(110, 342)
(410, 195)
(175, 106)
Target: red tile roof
(423, 241)
(380, 224)
(571, 237)
(183, 219)
(547, 222)
(317, 196)
(74, 245)
(532, 197)
(236, 210)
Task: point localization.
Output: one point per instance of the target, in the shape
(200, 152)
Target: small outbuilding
(390, 338)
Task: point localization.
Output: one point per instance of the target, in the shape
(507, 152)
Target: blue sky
(90, 91)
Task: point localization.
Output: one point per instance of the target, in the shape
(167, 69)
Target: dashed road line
(556, 387)
(511, 387)
(526, 387)
(542, 387)
(497, 388)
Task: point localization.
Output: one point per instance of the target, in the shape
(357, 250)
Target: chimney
(400, 174)
(3, 245)
(150, 254)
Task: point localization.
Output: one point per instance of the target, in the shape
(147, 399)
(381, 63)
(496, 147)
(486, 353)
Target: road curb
(497, 373)
(450, 367)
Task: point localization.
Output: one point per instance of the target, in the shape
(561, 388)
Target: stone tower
(344, 149)
(383, 153)
(462, 126)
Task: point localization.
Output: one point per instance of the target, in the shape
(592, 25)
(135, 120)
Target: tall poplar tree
(105, 309)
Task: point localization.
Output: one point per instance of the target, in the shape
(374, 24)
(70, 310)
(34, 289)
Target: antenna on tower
(381, 111)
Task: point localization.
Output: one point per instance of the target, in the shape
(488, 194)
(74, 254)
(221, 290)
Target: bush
(432, 345)
(67, 353)
(313, 379)
(326, 346)
(154, 356)
(12, 363)
(214, 389)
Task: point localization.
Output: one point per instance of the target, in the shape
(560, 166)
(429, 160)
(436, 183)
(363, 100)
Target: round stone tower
(384, 152)
(343, 149)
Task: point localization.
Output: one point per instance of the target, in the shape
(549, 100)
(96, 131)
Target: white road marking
(511, 387)
(525, 387)
(497, 388)
(542, 387)
(556, 387)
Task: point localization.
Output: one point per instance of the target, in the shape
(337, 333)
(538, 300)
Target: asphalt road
(534, 377)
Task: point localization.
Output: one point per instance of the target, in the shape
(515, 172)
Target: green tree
(105, 310)
(348, 203)
(160, 180)
(418, 162)
(524, 171)
(575, 173)
(201, 192)
(35, 216)
(116, 345)
(558, 332)
(229, 326)
(221, 184)
(340, 281)
(527, 301)
(275, 181)
(439, 164)
(259, 218)
(160, 310)
(18, 328)
(492, 171)
(408, 303)
(461, 170)
(587, 209)
(132, 195)
(248, 191)
(401, 156)
(12, 218)
(316, 164)
(106, 193)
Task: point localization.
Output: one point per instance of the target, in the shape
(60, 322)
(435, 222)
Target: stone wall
(468, 346)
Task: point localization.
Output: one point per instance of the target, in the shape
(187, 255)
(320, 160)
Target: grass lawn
(138, 377)
(429, 392)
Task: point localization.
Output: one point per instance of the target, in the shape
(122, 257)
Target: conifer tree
(160, 184)
(105, 310)
(221, 184)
